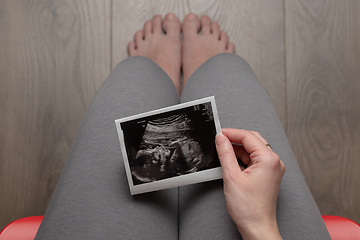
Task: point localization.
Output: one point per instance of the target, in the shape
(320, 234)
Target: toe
(224, 38)
(148, 28)
(156, 22)
(205, 25)
(171, 25)
(132, 49)
(139, 36)
(215, 29)
(190, 25)
(230, 48)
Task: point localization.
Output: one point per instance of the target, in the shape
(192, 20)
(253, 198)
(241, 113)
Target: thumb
(226, 154)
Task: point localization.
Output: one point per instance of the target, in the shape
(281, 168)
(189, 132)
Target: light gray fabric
(92, 199)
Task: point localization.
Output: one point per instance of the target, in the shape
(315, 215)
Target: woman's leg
(243, 103)
(92, 199)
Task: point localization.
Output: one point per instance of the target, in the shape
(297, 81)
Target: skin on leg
(92, 199)
(197, 48)
(163, 49)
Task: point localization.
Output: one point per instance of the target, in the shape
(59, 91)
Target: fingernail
(220, 139)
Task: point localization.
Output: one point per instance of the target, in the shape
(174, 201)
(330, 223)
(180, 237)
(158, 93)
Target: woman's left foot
(164, 49)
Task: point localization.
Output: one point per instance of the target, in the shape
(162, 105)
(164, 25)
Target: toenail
(191, 16)
(157, 16)
(205, 17)
(170, 16)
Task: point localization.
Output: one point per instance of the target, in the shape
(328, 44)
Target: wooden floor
(55, 54)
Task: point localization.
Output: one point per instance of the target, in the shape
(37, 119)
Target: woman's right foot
(197, 48)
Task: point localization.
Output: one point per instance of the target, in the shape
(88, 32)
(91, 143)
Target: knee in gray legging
(243, 103)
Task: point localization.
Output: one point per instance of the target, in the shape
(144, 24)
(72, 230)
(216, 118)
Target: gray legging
(92, 199)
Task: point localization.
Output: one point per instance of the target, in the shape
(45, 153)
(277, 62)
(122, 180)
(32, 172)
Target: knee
(130, 62)
(230, 58)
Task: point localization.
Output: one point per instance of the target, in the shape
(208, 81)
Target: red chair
(22, 229)
(26, 228)
(342, 228)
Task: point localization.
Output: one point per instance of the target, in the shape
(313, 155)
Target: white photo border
(190, 178)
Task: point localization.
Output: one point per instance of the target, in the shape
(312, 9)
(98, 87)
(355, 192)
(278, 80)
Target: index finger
(250, 142)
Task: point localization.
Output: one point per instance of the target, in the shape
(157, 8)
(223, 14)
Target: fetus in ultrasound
(168, 148)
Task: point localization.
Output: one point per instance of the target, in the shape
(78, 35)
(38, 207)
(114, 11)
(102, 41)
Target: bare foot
(164, 49)
(199, 48)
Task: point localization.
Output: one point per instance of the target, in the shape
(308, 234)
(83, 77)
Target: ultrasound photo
(168, 143)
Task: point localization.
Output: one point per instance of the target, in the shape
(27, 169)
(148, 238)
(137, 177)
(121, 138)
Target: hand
(251, 193)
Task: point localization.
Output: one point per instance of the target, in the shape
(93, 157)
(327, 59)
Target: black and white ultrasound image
(171, 144)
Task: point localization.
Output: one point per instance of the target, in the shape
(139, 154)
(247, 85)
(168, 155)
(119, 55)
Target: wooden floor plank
(256, 28)
(323, 85)
(54, 55)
